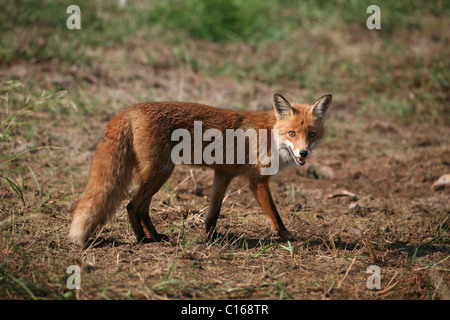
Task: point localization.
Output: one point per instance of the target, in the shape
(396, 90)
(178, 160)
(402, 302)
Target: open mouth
(298, 160)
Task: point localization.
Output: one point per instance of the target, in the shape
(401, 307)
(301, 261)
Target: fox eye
(312, 135)
(291, 134)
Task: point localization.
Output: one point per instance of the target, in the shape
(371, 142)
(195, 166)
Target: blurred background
(312, 47)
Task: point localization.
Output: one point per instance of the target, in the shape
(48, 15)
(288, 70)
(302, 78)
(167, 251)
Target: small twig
(191, 172)
(343, 193)
(367, 239)
(348, 270)
(234, 192)
(333, 250)
(393, 277)
(388, 288)
(181, 182)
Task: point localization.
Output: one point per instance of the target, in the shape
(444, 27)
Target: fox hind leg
(138, 208)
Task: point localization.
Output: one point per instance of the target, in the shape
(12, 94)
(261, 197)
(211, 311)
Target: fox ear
(320, 108)
(283, 109)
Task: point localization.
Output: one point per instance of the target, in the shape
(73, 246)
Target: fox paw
(287, 236)
(161, 237)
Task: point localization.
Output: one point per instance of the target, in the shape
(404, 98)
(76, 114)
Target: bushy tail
(109, 178)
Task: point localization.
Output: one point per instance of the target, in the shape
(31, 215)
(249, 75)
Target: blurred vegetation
(296, 41)
(104, 23)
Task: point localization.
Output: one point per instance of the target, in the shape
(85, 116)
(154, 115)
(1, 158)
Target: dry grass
(387, 141)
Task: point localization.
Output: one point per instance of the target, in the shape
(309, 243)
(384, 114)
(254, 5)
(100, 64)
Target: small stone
(316, 171)
(441, 183)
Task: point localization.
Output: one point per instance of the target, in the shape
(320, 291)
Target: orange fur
(139, 140)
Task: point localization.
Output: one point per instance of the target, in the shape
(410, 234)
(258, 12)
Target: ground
(363, 199)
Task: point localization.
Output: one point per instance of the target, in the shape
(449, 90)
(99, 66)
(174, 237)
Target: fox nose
(304, 153)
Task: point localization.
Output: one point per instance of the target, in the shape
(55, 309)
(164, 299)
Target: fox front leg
(262, 194)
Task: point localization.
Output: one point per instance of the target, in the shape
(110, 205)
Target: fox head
(301, 127)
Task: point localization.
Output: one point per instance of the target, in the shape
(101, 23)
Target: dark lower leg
(221, 182)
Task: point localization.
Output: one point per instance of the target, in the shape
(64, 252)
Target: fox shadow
(242, 241)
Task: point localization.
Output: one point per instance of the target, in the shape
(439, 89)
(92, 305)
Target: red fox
(141, 141)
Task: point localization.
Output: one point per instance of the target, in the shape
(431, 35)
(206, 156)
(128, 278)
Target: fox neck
(285, 158)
